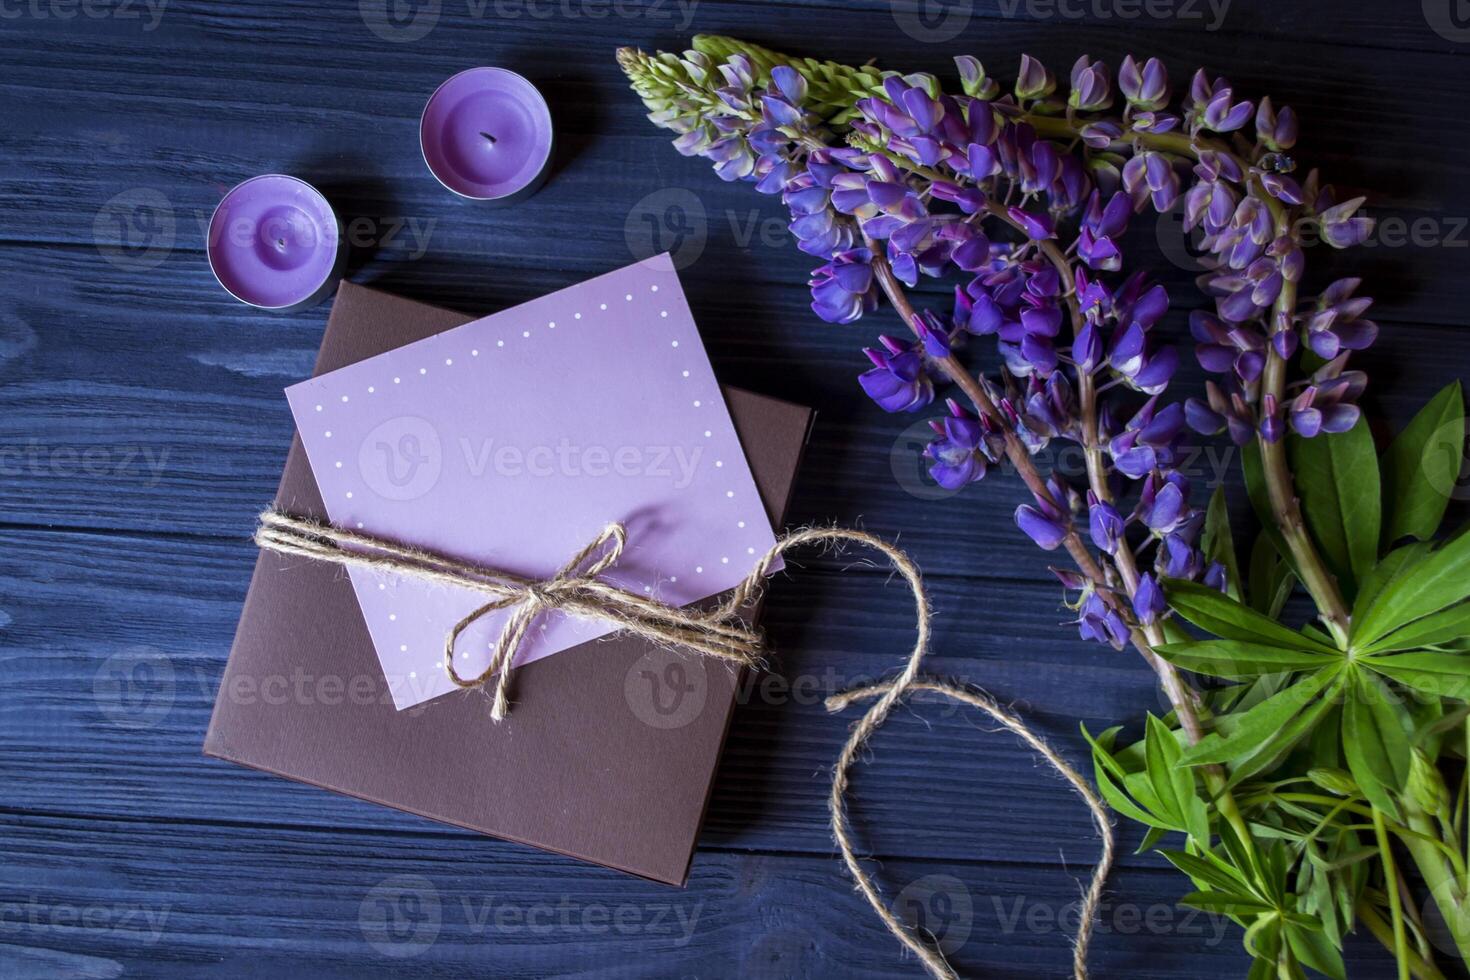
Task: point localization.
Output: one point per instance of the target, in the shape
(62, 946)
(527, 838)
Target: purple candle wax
(486, 134)
(274, 243)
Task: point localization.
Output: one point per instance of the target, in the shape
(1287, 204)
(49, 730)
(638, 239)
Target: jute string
(577, 589)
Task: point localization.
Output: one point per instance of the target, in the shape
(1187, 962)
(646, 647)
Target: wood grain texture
(142, 426)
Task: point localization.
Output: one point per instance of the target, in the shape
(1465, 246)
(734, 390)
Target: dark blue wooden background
(142, 426)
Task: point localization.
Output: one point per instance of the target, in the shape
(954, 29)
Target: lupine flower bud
(1278, 131)
(1105, 524)
(1337, 781)
(973, 79)
(1148, 600)
(897, 381)
(1047, 532)
(1092, 90)
(1146, 89)
(1034, 81)
(1426, 786)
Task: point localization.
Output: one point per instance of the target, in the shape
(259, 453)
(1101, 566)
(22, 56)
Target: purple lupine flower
(1105, 524)
(1225, 348)
(897, 381)
(964, 448)
(1277, 130)
(1099, 228)
(1146, 89)
(1096, 620)
(1325, 407)
(1163, 505)
(1147, 372)
(1271, 428)
(1216, 577)
(843, 289)
(1343, 227)
(1224, 116)
(1092, 90)
(1038, 227)
(973, 79)
(1049, 521)
(1222, 412)
(1177, 556)
(1148, 600)
(1034, 80)
(1337, 324)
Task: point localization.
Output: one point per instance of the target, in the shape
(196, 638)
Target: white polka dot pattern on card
(640, 338)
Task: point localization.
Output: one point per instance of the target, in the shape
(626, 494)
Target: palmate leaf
(1232, 620)
(1173, 784)
(1375, 741)
(1431, 581)
(1398, 562)
(1338, 484)
(1421, 466)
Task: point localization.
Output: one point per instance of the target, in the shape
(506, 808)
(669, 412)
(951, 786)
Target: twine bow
(578, 590)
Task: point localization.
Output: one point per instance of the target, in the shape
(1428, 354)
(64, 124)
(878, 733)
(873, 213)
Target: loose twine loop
(578, 590)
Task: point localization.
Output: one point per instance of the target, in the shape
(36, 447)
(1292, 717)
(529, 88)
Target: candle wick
(488, 137)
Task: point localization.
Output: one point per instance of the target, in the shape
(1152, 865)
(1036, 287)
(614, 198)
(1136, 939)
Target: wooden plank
(114, 897)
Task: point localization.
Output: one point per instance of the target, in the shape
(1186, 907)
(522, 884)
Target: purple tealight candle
(486, 135)
(274, 243)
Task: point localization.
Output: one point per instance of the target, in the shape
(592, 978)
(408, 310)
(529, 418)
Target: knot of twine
(577, 589)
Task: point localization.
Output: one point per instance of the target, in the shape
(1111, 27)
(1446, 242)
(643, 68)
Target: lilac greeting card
(513, 441)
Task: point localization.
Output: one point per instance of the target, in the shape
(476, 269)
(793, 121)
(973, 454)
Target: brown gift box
(610, 748)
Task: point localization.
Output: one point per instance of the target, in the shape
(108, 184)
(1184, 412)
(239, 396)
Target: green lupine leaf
(1375, 742)
(1102, 747)
(1314, 949)
(1231, 903)
(1239, 659)
(1151, 840)
(1285, 741)
(1438, 579)
(1207, 871)
(1337, 482)
(1398, 562)
(1421, 466)
(1446, 626)
(1173, 785)
(1259, 728)
(1445, 675)
(1217, 542)
(1271, 579)
(1119, 800)
(1224, 617)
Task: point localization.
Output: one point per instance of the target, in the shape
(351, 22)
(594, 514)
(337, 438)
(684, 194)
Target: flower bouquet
(1310, 777)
